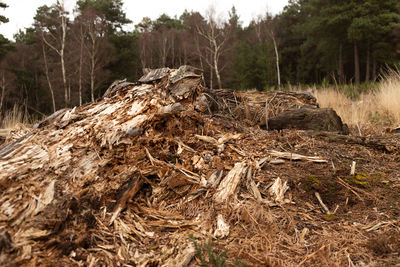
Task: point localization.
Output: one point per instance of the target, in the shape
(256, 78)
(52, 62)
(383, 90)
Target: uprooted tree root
(128, 180)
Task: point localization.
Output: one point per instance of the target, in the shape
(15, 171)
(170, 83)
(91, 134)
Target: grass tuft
(11, 118)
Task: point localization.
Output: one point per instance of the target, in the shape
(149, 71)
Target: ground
(151, 175)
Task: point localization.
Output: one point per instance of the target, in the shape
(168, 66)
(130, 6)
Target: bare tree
(81, 43)
(7, 79)
(267, 25)
(216, 36)
(3, 89)
(145, 41)
(46, 71)
(164, 44)
(52, 24)
(97, 45)
(278, 73)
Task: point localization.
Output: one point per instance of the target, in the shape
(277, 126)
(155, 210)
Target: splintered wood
(140, 176)
(229, 184)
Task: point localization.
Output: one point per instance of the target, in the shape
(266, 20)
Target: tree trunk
(3, 91)
(341, 69)
(305, 118)
(173, 51)
(200, 58)
(211, 77)
(373, 68)
(64, 32)
(367, 72)
(356, 64)
(46, 70)
(80, 68)
(164, 53)
(215, 58)
(92, 74)
(277, 60)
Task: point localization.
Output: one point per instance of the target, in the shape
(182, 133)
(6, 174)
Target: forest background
(66, 60)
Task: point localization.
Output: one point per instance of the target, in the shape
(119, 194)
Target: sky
(21, 12)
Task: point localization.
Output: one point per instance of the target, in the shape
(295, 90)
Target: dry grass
(14, 117)
(356, 114)
(14, 124)
(372, 111)
(388, 96)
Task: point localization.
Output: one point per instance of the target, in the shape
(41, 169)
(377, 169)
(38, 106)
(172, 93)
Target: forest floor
(192, 188)
(362, 226)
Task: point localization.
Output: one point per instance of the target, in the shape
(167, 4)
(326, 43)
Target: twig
(134, 187)
(340, 181)
(353, 168)
(317, 195)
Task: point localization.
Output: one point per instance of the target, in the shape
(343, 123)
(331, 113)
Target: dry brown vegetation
(372, 112)
(128, 180)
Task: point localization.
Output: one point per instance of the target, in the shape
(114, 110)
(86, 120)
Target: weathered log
(154, 75)
(386, 143)
(281, 109)
(116, 87)
(318, 119)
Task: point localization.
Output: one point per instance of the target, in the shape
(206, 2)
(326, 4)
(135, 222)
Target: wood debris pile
(127, 180)
(278, 110)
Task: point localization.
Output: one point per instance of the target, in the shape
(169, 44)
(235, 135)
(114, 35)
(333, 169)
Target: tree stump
(305, 118)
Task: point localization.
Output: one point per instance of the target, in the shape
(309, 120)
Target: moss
(312, 179)
(330, 217)
(360, 179)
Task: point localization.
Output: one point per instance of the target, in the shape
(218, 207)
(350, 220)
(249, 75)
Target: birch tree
(51, 22)
(213, 32)
(96, 44)
(46, 71)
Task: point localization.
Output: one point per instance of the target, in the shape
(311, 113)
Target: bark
(367, 67)
(356, 64)
(321, 119)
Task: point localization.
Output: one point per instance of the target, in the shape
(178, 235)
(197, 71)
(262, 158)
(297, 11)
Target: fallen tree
(278, 110)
